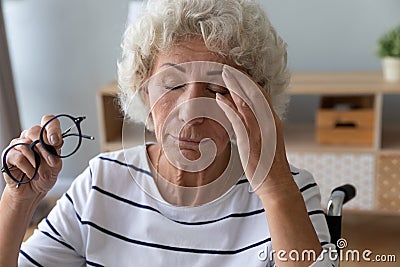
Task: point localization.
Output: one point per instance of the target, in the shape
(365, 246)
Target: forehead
(185, 51)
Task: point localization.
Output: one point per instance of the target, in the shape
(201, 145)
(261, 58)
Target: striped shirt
(107, 219)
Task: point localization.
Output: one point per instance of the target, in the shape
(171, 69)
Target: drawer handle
(345, 125)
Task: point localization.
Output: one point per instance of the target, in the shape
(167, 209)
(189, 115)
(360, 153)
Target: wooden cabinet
(371, 220)
(346, 120)
(115, 132)
(371, 166)
(110, 118)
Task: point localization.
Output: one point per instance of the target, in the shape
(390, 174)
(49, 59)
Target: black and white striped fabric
(106, 219)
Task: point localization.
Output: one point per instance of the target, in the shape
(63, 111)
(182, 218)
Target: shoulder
(133, 160)
(119, 157)
(120, 166)
(111, 169)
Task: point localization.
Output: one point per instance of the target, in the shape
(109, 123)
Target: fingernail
(54, 139)
(220, 97)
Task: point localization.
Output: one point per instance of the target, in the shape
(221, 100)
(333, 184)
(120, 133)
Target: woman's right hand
(23, 160)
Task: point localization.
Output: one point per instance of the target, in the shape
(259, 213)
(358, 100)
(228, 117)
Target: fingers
(21, 146)
(32, 134)
(249, 92)
(231, 112)
(22, 169)
(241, 101)
(21, 156)
(28, 157)
(239, 127)
(53, 130)
(250, 101)
(20, 162)
(252, 89)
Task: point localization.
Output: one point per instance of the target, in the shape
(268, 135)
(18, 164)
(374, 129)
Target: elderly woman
(208, 77)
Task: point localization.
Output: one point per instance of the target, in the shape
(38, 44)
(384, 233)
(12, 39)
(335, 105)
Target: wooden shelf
(301, 138)
(110, 117)
(341, 83)
(386, 137)
(112, 124)
(381, 176)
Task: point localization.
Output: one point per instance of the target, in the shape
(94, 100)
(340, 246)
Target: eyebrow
(214, 72)
(180, 68)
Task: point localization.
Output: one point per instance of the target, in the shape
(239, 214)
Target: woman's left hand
(258, 130)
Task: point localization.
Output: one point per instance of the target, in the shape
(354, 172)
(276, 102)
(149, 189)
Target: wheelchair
(339, 196)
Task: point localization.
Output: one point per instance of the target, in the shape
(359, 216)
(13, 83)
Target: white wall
(332, 35)
(335, 35)
(62, 51)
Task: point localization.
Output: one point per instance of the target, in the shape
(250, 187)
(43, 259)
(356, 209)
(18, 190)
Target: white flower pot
(391, 69)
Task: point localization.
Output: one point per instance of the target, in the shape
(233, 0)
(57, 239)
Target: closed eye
(174, 87)
(219, 90)
(213, 90)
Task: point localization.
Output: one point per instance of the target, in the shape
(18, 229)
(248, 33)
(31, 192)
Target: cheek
(220, 137)
(219, 133)
(161, 111)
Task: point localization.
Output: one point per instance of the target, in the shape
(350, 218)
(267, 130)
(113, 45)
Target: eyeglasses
(72, 140)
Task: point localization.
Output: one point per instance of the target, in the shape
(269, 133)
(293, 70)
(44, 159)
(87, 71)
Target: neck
(184, 178)
(182, 188)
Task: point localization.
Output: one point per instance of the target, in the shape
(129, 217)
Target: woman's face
(181, 95)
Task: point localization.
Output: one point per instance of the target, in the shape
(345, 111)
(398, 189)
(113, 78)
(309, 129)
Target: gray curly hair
(238, 29)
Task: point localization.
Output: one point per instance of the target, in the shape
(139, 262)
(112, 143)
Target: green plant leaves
(389, 44)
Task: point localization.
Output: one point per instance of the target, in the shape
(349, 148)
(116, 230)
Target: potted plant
(389, 51)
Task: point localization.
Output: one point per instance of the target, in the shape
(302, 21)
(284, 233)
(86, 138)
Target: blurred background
(62, 52)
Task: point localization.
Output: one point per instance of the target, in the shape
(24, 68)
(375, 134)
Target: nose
(190, 108)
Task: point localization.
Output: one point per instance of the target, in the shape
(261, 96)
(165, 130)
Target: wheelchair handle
(339, 197)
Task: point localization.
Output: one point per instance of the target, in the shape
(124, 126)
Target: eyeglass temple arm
(82, 135)
(77, 120)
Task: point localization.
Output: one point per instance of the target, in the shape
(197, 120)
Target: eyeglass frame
(77, 123)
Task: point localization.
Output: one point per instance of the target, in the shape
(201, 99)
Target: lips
(196, 140)
(189, 140)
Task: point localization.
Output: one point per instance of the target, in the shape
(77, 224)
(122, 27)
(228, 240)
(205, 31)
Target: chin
(190, 154)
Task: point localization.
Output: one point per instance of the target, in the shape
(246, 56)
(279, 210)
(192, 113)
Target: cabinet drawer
(346, 120)
(345, 127)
